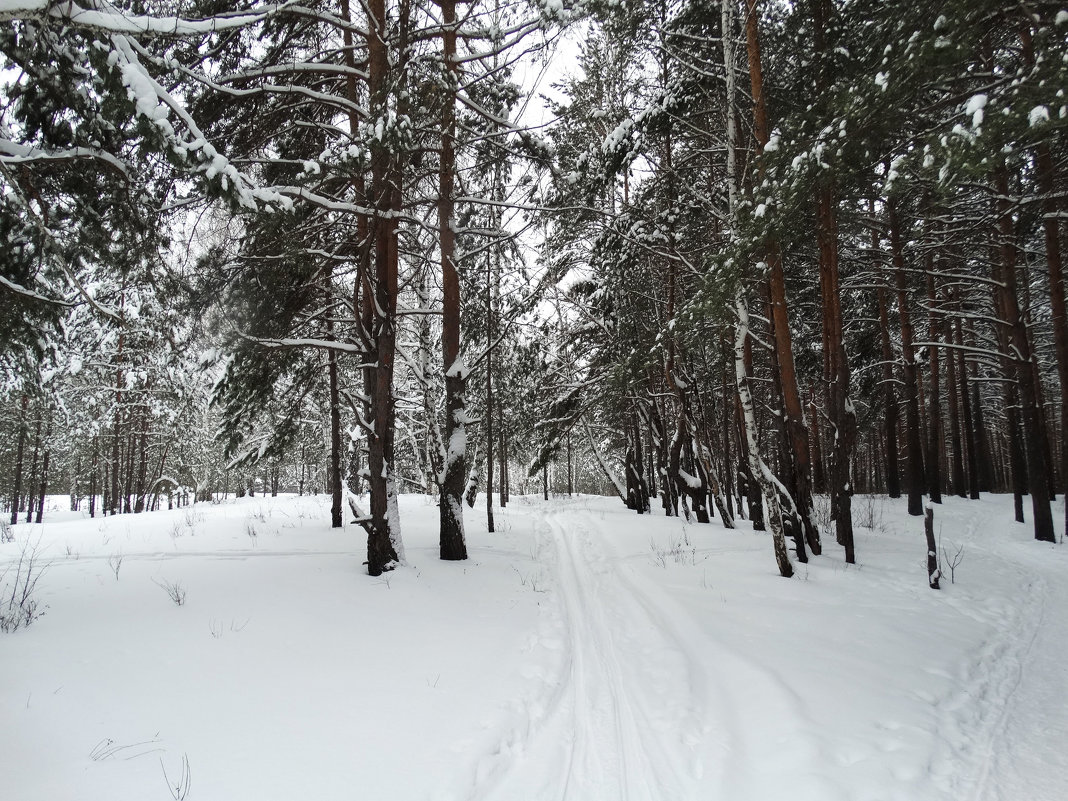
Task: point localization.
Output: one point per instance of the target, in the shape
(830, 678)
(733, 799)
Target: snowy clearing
(582, 652)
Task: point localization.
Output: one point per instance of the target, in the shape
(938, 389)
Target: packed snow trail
(1002, 722)
(648, 708)
(625, 713)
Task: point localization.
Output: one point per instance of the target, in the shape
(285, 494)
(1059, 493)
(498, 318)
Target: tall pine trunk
(934, 398)
(1013, 322)
(16, 489)
(451, 540)
(385, 189)
(893, 471)
(914, 448)
(796, 427)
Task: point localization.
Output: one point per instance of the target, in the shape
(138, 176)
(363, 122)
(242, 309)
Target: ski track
(647, 706)
(622, 717)
(974, 721)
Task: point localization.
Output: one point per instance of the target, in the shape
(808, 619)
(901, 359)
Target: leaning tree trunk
(795, 424)
(760, 472)
(769, 491)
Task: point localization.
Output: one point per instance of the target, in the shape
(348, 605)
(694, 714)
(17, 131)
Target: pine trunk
(795, 425)
(934, 401)
(385, 187)
(914, 448)
(451, 540)
(893, 471)
(1037, 477)
(16, 490)
(44, 486)
(335, 438)
(957, 466)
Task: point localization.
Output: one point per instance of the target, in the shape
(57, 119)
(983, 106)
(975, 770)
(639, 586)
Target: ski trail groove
(623, 720)
(618, 741)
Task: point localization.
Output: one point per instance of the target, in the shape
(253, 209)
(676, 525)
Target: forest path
(1012, 696)
(647, 706)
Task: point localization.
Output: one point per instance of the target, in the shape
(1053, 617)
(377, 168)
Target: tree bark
(44, 485)
(915, 475)
(1038, 480)
(934, 400)
(796, 427)
(16, 490)
(335, 438)
(933, 573)
(385, 186)
(489, 400)
(970, 438)
(893, 471)
(33, 470)
(957, 465)
(844, 416)
(451, 541)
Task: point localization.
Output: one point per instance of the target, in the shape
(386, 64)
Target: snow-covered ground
(582, 653)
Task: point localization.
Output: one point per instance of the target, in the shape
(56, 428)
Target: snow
(1038, 115)
(975, 107)
(118, 22)
(583, 652)
(458, 369)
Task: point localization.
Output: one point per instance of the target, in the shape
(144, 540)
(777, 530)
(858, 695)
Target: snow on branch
(18, 289)
(323, 344)
(109, 19)
(15, 153)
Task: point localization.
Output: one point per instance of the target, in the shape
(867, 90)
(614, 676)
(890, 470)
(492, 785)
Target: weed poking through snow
(174, 589)
(18, 585)
(952, 561)
(178, 785)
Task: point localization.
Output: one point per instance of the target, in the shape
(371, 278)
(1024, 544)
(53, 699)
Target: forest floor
(582, 652)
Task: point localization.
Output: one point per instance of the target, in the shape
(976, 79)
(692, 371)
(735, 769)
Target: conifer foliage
(767, 255)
